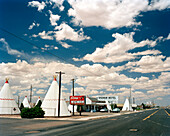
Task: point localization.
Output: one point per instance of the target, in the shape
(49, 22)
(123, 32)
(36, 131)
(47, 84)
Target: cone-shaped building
(7, 101)
(50, 102)
(26, 103)
(38, 100)
(127, 106)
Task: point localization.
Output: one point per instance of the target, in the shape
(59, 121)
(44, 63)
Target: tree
(113, 106)
(80, 108)
(143, 105)
(35, 112)
(21, 107)
(39, 104)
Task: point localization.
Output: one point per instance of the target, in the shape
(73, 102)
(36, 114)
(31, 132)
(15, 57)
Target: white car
(116, 110)
(103, 110)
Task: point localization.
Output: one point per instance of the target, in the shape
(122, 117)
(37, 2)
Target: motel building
(100, 102)
(93, 104)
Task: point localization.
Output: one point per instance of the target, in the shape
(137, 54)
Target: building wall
(108, 99)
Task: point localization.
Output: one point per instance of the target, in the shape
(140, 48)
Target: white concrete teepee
(38, 100)
(127, 106)
(26, 103)
(7, 101)
(50, 102)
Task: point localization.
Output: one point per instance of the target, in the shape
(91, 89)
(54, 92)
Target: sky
(108, 46)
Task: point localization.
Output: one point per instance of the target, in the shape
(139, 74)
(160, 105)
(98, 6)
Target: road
(148, 123)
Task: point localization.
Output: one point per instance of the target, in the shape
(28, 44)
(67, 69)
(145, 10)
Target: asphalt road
(147, 123)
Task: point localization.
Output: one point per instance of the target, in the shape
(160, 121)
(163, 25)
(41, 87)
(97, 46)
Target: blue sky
(108, 46)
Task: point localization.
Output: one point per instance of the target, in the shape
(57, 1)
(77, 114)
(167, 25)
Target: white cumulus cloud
(32, 25)
(58, 3)
(37, 4)
(40, 91)
(117, 51)
(168, 38)
(91, 79)
(53, 18)
(65, 45)
(159, 5)
(65, 32)
(9, 50)
(112, 13)
(149, 64)
(44, 35)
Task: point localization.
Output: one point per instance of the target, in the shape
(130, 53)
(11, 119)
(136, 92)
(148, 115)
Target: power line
(30, 43)
(60, 58)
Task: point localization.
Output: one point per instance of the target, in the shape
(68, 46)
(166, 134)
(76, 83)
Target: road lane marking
(133, 130)
(150, 115)
(167, 112)
(159, 124)
(113, 119)
(30, 132)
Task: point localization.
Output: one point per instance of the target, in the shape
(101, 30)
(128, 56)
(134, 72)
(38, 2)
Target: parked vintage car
(104, 110)
(116, 110)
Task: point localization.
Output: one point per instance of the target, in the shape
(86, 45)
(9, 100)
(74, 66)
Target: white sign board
(108, 99)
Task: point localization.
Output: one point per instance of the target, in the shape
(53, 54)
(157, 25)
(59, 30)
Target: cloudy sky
(108, 46)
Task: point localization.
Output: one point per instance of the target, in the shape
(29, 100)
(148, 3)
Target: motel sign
(77, 100)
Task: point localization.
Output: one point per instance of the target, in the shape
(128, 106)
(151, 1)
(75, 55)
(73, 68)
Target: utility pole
(59, 91)
(18, 101)
(130, 99)
(30, 94)
(133, 100)
(73, 95)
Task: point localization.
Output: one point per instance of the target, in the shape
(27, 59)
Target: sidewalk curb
(76, 119)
